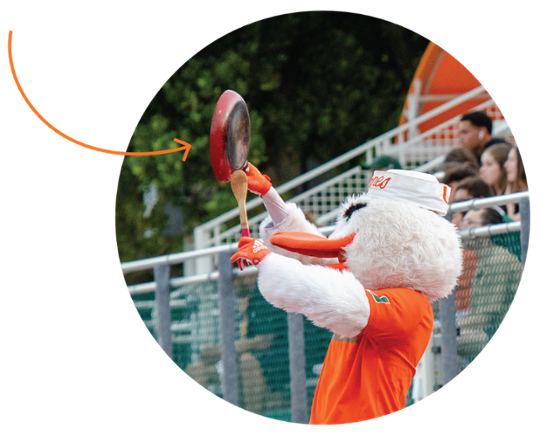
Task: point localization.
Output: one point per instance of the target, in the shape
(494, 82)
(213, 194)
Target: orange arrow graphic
(186, 146)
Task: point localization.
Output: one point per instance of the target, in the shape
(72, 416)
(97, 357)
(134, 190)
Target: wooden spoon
(239, 188)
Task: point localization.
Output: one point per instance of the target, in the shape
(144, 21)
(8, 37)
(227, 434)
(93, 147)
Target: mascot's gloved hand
(257, 183)
(250, 250)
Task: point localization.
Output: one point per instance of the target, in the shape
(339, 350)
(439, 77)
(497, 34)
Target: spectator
(517, 180)
(492, 170)
(494, 284)
(462, 293)
(383, 163)
(475, 187)
(480, 218)
(470, 188)
(475, 130)
(454, 175)
(460, 156)
(511, 140)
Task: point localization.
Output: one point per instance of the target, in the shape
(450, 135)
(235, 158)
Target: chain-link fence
(261, 344)
(254, 367)
(492, 272)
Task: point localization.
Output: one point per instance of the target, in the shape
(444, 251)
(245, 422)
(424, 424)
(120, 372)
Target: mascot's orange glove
(251, 250)
(257, 183)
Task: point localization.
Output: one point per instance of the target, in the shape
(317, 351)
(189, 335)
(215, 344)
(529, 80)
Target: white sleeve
(295, 221)
(275, 205)
(332, 299)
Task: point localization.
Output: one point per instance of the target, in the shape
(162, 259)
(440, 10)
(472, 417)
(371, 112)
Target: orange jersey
(369, 376)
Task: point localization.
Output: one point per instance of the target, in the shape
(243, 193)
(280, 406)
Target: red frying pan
(230, 135)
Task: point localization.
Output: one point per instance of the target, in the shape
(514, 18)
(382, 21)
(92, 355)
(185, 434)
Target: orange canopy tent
(438, 79)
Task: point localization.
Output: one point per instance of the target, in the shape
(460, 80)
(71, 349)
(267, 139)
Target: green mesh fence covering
(491, 275)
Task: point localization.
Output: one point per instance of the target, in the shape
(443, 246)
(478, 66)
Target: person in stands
(469, 188)
(517, 180)
(475, 133)
(461, 156)
(382, 163)
(494, 283)
(454, 174)
(492, 170)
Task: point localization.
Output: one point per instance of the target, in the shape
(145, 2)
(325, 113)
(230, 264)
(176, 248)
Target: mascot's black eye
(348, 213)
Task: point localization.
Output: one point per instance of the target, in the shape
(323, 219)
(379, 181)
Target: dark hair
(521, 168)
(491, 216)
(457, 172)
(462, 156)
(521, 177)
(479, 119)
(500, 154)
(476, 187)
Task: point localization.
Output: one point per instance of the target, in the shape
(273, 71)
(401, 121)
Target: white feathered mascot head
(401, 236)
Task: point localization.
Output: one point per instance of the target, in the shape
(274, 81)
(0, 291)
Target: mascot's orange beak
(313, 245)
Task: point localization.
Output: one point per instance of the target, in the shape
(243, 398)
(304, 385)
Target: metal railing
(447, 306)
(410, 148)
(173, 259)
(168, 290)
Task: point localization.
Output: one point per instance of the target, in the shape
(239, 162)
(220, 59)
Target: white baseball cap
(412, 187)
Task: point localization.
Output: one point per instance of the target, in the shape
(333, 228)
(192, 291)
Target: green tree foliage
(317, 84)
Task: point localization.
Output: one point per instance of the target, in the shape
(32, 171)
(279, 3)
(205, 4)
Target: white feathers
(399, 245)
(329, 298)
(396, 245)
(295, 222)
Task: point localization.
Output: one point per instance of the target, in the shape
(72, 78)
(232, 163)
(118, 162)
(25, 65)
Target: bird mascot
(371, 283)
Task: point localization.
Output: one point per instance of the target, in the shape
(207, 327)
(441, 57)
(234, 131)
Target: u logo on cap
(445, 194)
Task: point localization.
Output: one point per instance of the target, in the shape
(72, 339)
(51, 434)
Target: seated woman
(492, 170)
(517, 180)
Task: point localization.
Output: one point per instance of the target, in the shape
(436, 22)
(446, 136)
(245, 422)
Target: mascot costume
(371, 283)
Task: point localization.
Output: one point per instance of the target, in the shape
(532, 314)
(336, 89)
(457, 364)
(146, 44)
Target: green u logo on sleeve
(378, 299)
